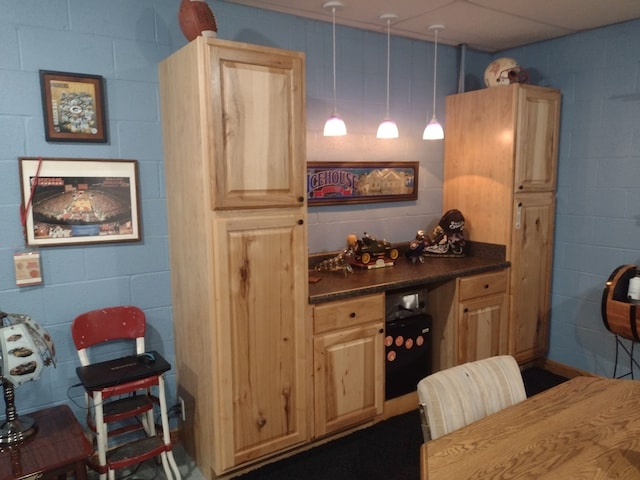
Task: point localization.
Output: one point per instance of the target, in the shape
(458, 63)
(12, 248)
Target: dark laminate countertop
(335, 285)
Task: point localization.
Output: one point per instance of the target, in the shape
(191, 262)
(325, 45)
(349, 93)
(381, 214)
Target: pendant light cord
(388, 59)
(435, 62)
(335, 100)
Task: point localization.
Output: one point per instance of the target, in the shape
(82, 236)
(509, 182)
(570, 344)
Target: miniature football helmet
(504, 71)
(447, 239)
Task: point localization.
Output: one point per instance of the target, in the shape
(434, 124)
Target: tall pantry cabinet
(234, 142)
(501, 148)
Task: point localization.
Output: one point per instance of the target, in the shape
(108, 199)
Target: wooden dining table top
(586, 428)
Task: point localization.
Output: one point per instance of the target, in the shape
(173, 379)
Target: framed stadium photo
(69, 201)
(73, 106)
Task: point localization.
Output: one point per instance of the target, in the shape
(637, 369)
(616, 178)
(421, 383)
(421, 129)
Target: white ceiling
(487, 25)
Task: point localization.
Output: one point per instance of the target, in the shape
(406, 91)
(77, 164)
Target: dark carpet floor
(388, 450)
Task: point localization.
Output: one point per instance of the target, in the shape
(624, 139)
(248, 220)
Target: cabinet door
(261, 330)
(348, 377)
(530, 283)
(482, 328)
(257, 126)
(537, 132)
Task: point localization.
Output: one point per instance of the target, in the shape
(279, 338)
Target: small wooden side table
(59, 447)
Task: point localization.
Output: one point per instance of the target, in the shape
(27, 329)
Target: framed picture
(75, 201)
(333, 183)
(74, 109)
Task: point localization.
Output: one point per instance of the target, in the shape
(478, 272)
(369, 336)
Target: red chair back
(106, 324)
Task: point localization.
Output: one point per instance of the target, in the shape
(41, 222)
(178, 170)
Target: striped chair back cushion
(460, 395)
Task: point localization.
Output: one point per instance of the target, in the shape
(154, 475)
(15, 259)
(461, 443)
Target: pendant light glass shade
(433, 130)
(388, 128)
(334, 126)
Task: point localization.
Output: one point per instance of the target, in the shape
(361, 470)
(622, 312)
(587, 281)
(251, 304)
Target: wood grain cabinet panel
(234, 143)
(348, 363)
(501, 150)
(470, 318)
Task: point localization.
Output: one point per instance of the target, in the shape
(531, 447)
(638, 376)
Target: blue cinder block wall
(597, 216)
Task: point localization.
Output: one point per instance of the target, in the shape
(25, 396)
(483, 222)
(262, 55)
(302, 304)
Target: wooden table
(586, 428)
(60, 446)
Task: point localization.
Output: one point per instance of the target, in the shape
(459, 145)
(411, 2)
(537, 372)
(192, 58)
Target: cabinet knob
(381, 330)
(300, 222)
(486, 285)
(301, 199)
(352, 314)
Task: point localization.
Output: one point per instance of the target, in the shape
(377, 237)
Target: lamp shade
(433, 130)
(335, 126)
(26, 349)
(387, 129)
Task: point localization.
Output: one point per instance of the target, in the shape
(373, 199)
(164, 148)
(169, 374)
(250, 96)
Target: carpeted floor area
(388, 450)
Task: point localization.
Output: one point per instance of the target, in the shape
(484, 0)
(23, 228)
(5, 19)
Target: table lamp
(26, 348)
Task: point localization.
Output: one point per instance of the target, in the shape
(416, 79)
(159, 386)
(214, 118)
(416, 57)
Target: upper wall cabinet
(536, 145)
(255, 97)
(259, 158)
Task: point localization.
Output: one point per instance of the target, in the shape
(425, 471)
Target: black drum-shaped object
(619, 315)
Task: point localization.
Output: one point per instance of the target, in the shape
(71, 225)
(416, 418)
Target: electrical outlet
(183, 411)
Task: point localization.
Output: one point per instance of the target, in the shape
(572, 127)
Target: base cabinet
(482, 316)
(262, 344)
(348, 359)
(470, 319)
(530, 301)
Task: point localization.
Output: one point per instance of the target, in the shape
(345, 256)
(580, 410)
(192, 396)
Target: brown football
(196, 18)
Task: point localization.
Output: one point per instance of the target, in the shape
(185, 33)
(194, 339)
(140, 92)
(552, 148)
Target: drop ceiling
(486, 25)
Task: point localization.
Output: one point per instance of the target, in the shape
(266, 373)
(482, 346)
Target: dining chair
(457, 396)
(116, 412)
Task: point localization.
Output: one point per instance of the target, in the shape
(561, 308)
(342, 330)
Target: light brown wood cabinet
(470, 318)
(482, 316)
(501, 148)
(234, 141)
(348, 358)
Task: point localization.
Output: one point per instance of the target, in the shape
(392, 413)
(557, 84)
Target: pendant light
(388, 128)
(433, 130)
(334, 126)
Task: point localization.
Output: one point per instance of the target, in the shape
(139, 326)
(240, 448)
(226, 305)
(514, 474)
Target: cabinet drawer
(346, 313)
(484, 284)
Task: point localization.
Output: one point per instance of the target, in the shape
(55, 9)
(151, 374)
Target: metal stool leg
(632, 360)
(167, 457)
